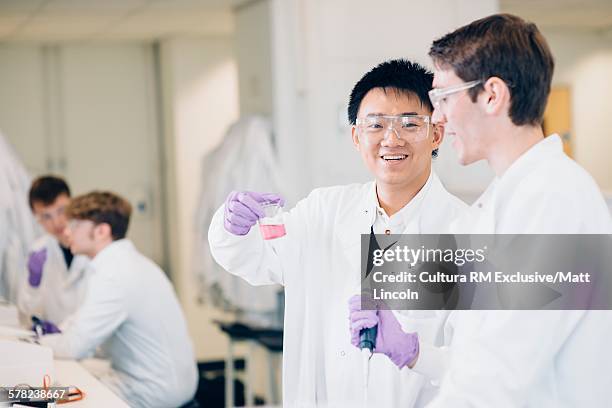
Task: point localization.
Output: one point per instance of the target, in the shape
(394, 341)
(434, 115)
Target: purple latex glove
(244, 208)
(46, 326)
(36, 262)
(402, 348)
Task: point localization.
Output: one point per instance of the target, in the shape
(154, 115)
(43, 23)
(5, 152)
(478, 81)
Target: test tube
(271, 225)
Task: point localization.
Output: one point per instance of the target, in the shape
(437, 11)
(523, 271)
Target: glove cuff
(407, 350)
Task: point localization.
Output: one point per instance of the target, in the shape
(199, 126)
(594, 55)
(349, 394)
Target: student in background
(56, 280)
(130, 309)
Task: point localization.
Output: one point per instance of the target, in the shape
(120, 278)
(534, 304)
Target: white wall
(200, 98)
(87, 112)
(108, 131)
(252, 44)
(22, 104)
(584, 63)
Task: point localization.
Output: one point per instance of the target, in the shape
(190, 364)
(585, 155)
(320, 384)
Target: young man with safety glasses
(56, 280)
(491, 84)
(318, 260)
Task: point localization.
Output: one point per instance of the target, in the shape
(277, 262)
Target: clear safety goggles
(48, 216)
(410, 128)
(438, 96)
(75, 223)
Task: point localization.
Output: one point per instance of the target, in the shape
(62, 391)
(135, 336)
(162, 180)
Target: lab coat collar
(482, 216)
(411, 210)
(360, 214)
(78, 269)
(549, 146)
(111, 251)
(369, 204)
(79, 263)
(532, 158)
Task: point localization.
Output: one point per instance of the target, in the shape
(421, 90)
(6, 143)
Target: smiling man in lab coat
(56, 281)
(318, 260)
(130, 309)
(492, 79)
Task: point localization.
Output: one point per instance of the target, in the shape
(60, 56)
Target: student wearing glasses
(56, 280)
(318, 260)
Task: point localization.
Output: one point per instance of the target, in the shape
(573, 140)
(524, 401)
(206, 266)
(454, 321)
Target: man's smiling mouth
(393, 157)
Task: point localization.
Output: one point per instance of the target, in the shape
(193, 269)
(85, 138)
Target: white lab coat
(19, 229)
(245, 160)
(318, 262)
(532, 358)
(131, 307)
(61, 289)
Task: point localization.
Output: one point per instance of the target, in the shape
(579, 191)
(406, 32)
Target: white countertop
(71, 373)
(67, 372)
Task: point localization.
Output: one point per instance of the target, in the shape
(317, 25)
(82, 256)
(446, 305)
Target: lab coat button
(387, 232)
(342, 353)
(479, 205)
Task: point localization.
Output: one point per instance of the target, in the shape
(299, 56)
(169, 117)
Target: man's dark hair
(46, 189)
(103, 207)
(507, 47)
(401, 76)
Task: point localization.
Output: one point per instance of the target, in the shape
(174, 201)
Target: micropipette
(367, 342)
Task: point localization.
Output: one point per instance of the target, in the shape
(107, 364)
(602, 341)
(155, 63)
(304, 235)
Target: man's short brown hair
(103, 207)
(507, 47)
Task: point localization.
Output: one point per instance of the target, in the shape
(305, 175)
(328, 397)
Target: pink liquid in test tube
(272, 231)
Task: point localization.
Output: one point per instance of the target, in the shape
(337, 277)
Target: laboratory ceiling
(72, 20)
(575, 15)
(51, 21)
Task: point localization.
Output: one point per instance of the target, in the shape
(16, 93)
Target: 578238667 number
(23, 393)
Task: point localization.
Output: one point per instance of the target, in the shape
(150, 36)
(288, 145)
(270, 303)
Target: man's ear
(496, 96)
(438, 136)
(355, 137)
(104, 230)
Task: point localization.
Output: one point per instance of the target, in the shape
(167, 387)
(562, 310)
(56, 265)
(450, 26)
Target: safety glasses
(373, 129)
(75, 223)
(47, 216)
(438, 96)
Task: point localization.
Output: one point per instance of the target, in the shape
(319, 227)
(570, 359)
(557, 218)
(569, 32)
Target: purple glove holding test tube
(402, 348)
(244, 208)
(36, 263)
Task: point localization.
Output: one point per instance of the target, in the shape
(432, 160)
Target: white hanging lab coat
(318, 262)
(61, 289)
(246, 160)
(130, 308)
(19, 229)
(531, 358)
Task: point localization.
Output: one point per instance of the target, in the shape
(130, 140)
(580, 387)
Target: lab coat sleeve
(29, 299)
(101, 313)
(432, 361)
(254, 259)
(499, 365)
(433, 355)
